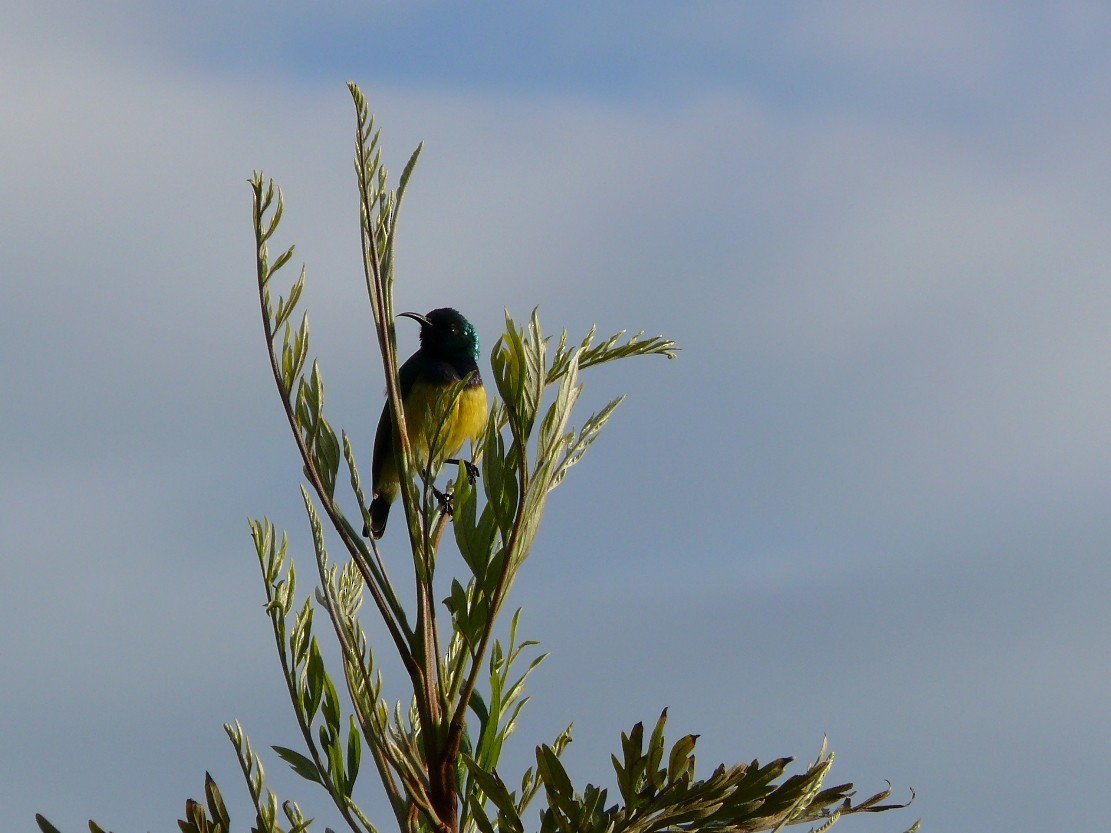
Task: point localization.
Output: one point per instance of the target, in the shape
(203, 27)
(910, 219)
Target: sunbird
(448, 354)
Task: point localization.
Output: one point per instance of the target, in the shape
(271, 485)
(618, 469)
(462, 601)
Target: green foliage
(437, 758)
(666, 797)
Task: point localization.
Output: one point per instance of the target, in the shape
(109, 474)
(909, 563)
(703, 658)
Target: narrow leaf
(299, 763)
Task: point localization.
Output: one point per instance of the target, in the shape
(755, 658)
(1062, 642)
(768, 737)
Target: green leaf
(282, 260)
(511, 361)
(295, 350)
(331, 709)
(655, 753)
(632, 768)
(299, 763)
(553, 428)
(680, 762)
(354, 756)
(474, 537)
(407, 171)
(499, 480)
(326, 453)
(551, 771)
(478, 815)
(286, 306)
(469, 611)
(493, 788)
(315, 678)
(478, 706)
(610, 350)
(296, 818)
(586, 437)
(216, 808)
(333, 746)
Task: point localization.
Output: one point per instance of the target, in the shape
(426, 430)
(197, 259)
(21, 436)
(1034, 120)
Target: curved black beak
(416, 316)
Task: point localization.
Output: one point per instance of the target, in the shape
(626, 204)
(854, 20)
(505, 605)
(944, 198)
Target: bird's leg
(445, 499)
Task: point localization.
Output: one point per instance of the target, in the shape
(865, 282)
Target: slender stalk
(379, 290)
(313, 474)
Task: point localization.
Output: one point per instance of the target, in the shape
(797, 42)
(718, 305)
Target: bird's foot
(447, 503)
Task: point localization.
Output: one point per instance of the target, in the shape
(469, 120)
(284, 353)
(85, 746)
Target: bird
(448, 355)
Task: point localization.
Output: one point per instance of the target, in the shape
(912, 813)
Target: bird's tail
(379, 513)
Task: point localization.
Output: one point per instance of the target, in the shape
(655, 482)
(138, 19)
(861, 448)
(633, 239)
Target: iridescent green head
(446, 334)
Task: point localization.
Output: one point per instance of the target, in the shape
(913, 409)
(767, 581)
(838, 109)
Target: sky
(869, 500)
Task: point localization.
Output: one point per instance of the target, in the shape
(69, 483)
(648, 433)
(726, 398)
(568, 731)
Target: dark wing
(415, 367)
(383, 437)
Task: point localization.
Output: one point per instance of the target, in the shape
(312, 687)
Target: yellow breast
(465, 420)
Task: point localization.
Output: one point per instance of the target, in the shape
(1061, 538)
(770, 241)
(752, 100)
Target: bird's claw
(472, 469)
(447, 503)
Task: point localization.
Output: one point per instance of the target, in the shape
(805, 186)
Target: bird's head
(446, 333)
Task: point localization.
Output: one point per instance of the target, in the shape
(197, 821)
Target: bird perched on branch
(448, 355)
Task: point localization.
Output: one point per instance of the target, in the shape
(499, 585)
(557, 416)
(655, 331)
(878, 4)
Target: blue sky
(868, 501)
